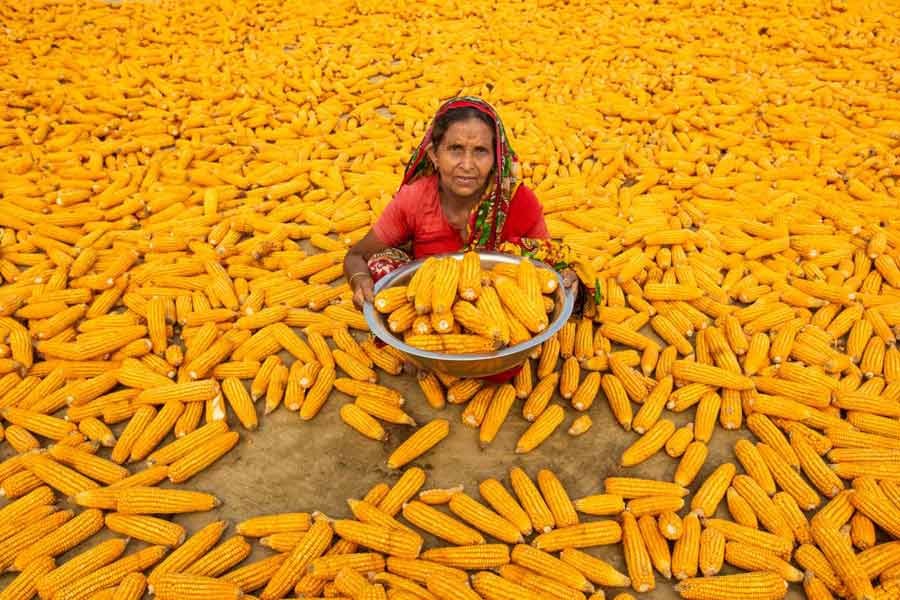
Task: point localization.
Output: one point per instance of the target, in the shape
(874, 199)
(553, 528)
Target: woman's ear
(431, 153)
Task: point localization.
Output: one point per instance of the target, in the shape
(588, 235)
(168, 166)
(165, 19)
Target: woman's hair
(455, 115)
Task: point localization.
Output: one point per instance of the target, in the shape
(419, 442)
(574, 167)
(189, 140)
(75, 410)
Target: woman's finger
(368, 290)
(358, 298)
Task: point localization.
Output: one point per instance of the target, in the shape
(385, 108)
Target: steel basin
(469, 365)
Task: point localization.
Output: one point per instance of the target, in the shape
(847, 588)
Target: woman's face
(465, 157)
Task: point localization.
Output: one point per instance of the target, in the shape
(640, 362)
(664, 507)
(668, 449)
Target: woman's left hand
(570, 279)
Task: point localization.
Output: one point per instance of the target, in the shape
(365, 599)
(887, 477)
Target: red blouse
(415, 215)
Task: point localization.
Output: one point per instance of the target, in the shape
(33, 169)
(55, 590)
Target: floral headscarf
(491, 213)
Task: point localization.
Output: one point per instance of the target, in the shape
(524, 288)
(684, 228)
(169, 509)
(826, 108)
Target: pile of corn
(455, 307)
(180, 182)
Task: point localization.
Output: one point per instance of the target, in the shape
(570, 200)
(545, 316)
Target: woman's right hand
(363, 290)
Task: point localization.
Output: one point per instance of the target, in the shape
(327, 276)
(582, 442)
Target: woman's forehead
(471, 131)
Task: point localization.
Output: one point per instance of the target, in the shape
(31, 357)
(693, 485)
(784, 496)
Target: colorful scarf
(491, 213)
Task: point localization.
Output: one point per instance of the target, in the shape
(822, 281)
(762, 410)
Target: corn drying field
(179, 185)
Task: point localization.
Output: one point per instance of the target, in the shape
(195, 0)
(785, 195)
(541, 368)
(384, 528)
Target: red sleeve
(525, 218)
(395, 225)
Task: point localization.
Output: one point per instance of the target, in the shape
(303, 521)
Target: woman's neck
(451, 201)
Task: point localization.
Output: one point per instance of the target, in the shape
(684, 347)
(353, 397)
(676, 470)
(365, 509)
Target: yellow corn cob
(691, 463)
(490, 305)
(402, 491)
(595, 570)
(630, 487)
(654, 505)
(657, 546)
(788, 479)
(149, 501)
(362, 422)
(841, 557)
(25, 584)
(793, 516)
(190, 551)
(500, 404)
(80, 566)
(679, 441)
(43, 425)
(584, 535)
(444, 285)
(557, 499)
(419, 443)
(870, 500)
(815, 588)
(762, 506)
(710, 375)
(514, 299)
(435, 496)
(470, 276)
(112, 573)
(62, 478)
(97, 431)
(221, 558)
(670, 525)
(759, 586)
(484, 519)
(147, 529)
(477, 407)
(188, 587)
(540, 397)
(395, 542)
(862, 531)
(67, 536)
(713, 489)
(618, 400)
(545, 424)
(21, 440)
(554, 568)
(569, 379)
(648, 444)
(493, 586)
(312, 546)
(255, 575)
(440, 525)
(474, 320)
(87, 464)
(637, 558)
(318, 393)
(390, 299)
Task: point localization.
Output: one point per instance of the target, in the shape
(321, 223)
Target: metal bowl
(469, 365)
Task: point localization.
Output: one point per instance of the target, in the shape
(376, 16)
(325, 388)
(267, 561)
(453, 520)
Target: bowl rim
(382, 333)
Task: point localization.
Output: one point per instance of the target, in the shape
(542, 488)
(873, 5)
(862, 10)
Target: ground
(291, 465)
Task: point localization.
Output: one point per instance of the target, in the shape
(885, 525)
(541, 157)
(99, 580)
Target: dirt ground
(292, 465)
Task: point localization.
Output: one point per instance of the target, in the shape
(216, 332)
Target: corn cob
(148, 529)
(637, 558)
(648, 444)
(531, 500)
(484, 519)
(763, 507)
(845, 563)
(188, 587)
(111, 574)
(543, 426)
(67, 536)
(190, 551)
(149, 501)
(746, 586)
(440, 525)
(419, 443)
(712, 490)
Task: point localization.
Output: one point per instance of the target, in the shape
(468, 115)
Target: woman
(460, 191)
